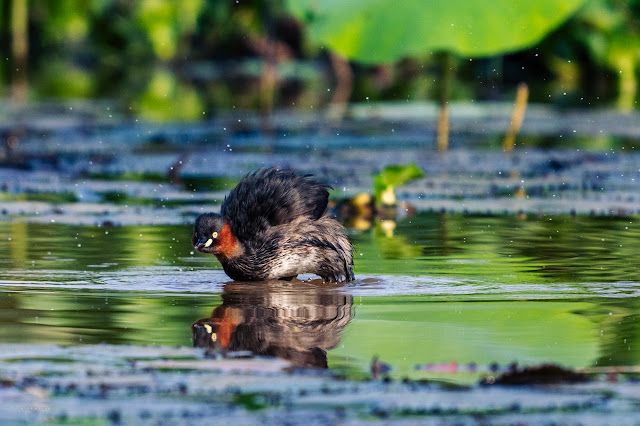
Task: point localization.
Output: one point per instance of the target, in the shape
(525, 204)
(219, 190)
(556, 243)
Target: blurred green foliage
(175, 60)
(605, 35)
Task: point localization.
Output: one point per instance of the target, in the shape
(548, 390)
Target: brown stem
(344, 87)
(174, 170)
(268, 82)
(443, 128)
(516, 117)
(443, 115)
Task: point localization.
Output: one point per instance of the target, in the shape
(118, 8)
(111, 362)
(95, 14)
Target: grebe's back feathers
(271, 197)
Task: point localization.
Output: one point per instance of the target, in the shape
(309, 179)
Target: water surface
(438, 289)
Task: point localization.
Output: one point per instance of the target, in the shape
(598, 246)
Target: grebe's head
(206, 232)
(206, 334)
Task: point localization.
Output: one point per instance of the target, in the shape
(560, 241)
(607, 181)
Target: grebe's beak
(205, 335)
(202, 243)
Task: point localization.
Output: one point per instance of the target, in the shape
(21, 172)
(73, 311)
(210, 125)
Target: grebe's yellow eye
(214, 337)
(214, 235)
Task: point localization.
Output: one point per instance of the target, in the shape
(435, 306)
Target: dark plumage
(274, 225)
(296, 322)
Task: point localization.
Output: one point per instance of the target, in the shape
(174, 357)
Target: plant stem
(443, 114)
(344, 87)
(19, 47)
(519, 108)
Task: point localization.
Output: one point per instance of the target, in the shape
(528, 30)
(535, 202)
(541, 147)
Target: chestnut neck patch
(227, 245)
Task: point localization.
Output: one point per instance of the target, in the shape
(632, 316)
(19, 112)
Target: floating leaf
(392, 176)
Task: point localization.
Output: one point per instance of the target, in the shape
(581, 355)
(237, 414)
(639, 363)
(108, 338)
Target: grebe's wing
(271, 197)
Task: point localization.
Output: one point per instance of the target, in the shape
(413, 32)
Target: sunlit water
(437, 289)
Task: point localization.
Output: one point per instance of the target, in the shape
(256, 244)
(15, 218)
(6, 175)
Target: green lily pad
(394, 175)
(379, 31)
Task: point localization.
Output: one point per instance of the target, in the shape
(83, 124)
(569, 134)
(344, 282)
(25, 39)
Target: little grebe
(275, 225)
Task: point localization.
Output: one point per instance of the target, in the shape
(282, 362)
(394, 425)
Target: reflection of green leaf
(385, 31)
(395, 247)
(395, 175)
(71, 317)
(404, 333)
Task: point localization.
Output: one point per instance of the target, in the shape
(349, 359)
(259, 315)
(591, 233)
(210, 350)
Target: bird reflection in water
(297, 321)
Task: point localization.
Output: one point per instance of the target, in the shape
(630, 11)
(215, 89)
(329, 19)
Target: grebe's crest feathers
(271, 197)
